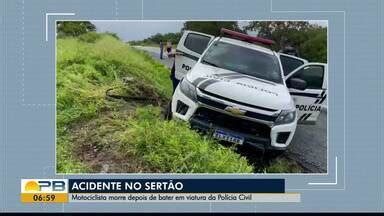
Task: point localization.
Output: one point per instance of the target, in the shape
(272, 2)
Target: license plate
(222, 135)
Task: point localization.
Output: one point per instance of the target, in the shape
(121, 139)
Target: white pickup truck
(242, 92)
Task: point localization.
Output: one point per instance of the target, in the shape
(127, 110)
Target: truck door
(189, 49)
(290, 63)
(309, 101)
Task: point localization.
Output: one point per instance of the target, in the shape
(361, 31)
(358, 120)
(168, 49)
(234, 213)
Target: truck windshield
(243, 60)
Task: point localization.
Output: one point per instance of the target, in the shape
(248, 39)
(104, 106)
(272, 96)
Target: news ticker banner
(155, 190)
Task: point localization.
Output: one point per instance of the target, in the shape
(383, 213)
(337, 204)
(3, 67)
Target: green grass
(283, 165)
(170, 146)
(90, 65)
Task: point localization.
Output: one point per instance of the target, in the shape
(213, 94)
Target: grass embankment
(99, 135)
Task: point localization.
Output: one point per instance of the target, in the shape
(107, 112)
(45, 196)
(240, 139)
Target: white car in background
(237, 90)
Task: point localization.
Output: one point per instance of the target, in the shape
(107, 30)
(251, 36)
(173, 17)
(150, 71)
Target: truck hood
(241, 88)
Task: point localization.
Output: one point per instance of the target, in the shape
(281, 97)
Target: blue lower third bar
(176, 185)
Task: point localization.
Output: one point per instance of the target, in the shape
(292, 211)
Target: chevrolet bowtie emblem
(235, 110)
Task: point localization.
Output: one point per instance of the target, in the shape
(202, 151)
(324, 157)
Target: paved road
(309, 144)
(155, 53)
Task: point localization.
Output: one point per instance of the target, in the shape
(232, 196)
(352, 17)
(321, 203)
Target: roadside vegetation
(94, 132)
(110, 103)
(308, 39)
(155, 40)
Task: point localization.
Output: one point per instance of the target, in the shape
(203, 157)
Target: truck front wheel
(168, 111)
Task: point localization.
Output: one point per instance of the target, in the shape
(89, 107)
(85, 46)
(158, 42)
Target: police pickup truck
(238, 90)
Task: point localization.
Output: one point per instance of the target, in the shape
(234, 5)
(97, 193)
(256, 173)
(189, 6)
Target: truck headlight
(286, 116)
(188, 89)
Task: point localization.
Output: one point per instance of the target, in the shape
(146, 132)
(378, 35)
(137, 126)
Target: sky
(139, 30)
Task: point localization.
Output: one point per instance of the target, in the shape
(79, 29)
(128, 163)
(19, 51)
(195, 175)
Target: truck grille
(232, 123)
(236, 102)
(222, 106)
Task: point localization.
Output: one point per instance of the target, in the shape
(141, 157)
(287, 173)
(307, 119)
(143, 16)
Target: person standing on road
(175, 81)
(161, 49)
(171, 54)
(169, 47)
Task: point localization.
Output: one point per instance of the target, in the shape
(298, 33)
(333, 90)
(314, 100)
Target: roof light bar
(245, 37)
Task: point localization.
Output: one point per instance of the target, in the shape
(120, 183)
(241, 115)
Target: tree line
(310, 40)
(157, 38)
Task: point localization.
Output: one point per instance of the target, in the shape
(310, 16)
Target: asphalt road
(309, 144)
(155, 53)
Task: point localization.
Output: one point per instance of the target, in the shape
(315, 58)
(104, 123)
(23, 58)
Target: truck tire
(168, 111)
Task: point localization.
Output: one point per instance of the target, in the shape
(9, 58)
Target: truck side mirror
(297, 83)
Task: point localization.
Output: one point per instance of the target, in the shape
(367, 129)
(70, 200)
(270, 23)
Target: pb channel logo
(44, 190)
